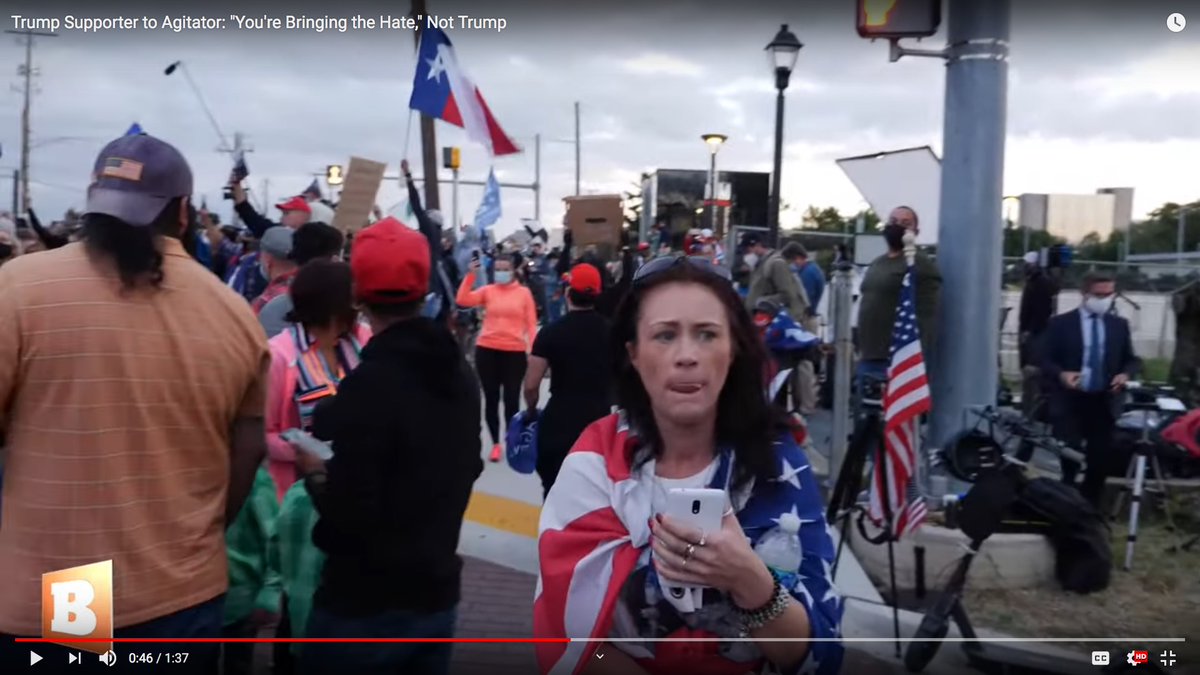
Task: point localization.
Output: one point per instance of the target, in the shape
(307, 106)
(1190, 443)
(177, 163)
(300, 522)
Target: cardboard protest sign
(363, 178)
(595, 219)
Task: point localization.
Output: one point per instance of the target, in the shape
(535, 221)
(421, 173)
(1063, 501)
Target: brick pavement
(497, 602)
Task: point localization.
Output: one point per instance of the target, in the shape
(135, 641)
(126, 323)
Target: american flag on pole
(906, 399)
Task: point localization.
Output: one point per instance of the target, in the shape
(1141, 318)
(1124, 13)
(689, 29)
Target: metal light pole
(182, 67)
(783, 52)
(577, 148)
(1179, 232)
(965, 372)
(714, 142)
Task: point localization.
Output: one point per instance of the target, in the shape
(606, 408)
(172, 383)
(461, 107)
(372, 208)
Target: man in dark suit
(1086, 358)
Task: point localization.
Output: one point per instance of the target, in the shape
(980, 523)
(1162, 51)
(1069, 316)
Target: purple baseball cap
(135, 177)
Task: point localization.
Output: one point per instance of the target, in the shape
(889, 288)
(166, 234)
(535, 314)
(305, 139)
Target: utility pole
(577, 148)
(537, 178)
(428, 133)
(970, 238)
(1179, 232)
(28, 72)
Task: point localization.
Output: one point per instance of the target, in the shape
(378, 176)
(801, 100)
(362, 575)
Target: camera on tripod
(871, 390)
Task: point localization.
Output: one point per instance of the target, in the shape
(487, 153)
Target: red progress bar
(270, 640)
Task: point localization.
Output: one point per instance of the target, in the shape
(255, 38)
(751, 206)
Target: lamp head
(171, 68)
(784, 50)
(714, 141)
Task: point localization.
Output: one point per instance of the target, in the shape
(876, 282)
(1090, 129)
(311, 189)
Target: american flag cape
(905, 400)
(593, 535)
(784, 334)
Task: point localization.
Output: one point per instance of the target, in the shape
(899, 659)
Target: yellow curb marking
(501, 513)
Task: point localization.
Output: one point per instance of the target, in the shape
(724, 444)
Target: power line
(29, 72)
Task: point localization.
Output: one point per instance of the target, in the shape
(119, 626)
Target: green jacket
(298, 560)
(773, 280)
(253, 583)
(880, 296)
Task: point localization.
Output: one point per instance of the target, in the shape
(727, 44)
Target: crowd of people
(162, 375)
(164, 378)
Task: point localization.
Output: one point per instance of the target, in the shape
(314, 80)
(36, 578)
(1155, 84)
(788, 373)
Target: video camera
(977, 451)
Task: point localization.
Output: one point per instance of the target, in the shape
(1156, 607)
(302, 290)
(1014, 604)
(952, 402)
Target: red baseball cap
(585, 278)
(644, 246)
(294, 204)
(390, 263)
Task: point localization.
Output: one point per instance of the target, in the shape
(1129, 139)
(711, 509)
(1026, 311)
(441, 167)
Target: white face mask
(752, 259)
(1098, 305)
(503, 277)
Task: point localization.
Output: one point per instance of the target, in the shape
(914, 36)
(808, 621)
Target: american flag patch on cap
(127, 169)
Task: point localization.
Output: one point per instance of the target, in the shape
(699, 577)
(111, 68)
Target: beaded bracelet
(773, 609)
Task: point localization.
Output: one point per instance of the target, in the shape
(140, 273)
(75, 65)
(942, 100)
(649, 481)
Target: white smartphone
(307, 441)
(701, 508)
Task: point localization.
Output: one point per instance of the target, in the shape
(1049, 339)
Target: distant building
(1074, 216)
(1123, 208)
(676, 197)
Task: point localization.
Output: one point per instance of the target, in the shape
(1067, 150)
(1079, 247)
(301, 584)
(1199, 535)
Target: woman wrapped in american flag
(690, 385)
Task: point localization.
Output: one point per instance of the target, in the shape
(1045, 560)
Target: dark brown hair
(746, 421)
(135, 250)
(322, 293)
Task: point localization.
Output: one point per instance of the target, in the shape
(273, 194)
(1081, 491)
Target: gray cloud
(651, 77)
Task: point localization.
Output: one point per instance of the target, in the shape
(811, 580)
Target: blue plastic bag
(521, 443)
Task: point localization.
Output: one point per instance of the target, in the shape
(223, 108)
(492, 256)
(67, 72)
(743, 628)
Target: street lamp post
(714, 142)
(783, 52)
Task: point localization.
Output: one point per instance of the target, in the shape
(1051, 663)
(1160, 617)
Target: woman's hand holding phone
(725, 561)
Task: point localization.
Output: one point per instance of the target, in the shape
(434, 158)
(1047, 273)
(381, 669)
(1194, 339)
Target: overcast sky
(1101, 94)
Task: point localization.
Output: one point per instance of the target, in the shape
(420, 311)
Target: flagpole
(408, 136)
(428, 132)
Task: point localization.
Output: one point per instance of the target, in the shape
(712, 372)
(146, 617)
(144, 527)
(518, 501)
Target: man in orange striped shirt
(132, 398)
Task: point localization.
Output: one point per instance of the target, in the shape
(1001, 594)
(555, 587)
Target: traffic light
(892, 19)
(334, 174)
(451, 158)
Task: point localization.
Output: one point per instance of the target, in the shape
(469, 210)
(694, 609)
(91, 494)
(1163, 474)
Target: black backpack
(1079, 533)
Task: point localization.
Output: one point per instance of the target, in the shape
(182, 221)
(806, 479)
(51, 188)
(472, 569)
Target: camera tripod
(1145, 450)
(866, 443)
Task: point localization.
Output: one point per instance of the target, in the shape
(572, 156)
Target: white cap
(1032, 257)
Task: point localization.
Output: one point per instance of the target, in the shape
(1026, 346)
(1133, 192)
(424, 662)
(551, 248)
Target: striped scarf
(317, 379)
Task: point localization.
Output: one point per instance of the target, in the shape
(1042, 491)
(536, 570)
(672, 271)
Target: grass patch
(1156, 370)
(1159, 597)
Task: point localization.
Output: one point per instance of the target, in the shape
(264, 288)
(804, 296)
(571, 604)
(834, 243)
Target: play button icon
(34, 658)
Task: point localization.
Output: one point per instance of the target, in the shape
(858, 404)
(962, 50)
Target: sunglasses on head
(660, 265)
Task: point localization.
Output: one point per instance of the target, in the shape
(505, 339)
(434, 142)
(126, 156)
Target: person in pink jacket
(310, 358)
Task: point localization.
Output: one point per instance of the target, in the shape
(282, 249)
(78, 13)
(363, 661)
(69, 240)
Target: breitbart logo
(77, 603)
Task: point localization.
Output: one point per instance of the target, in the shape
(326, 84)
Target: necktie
(1095, 358)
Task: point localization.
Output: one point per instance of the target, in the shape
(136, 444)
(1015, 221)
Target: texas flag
(442, 90)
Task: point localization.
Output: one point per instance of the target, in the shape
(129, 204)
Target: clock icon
(1176, 22)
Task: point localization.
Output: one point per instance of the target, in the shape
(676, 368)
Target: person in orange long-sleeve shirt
(509, 326)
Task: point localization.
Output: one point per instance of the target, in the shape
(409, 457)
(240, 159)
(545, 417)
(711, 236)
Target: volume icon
(109, 658)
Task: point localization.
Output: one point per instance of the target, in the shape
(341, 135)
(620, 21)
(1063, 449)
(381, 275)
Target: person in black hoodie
(404, 429)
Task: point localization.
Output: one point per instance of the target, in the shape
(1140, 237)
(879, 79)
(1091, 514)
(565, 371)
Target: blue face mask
(503, 276)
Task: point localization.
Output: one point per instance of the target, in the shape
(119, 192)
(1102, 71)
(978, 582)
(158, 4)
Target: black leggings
(499, 371)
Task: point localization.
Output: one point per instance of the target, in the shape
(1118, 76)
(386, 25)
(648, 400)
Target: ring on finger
(689, 552)
(703, 540)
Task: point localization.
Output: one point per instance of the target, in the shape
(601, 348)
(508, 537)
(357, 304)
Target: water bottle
(780, 547)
